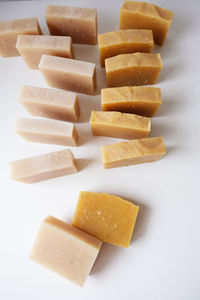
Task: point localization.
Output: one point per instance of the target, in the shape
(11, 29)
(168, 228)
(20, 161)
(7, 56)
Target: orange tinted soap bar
(109, 218)
(142, 15)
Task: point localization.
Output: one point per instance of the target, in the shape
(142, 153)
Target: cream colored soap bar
(139, 100)
(47, 131)
(132, 152)
(9, 31)
(133, 69)
(124, 41)
(142, 15)
(65, 250)
(42, 167)
(50, 103)
(119, 125)
(77, 22)
(32, 47)
(69, 74)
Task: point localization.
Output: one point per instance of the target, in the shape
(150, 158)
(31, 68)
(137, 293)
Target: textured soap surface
(65, 250)
(107, 217)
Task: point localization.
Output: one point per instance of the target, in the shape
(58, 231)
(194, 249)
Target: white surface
(163, 260)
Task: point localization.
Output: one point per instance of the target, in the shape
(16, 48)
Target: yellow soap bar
(142, 15)
(132, 69)
(124, 41)
(132, 152)
(139, 100)
(119, 125)
(109, 218)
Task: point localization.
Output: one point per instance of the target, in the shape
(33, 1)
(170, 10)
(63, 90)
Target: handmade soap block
(47, 131)
(139, 100)
(32, 47)
(65, 250)
(132, 69)
(9, 30)
(132, 152)
(50, 103)
(119, 125)
(69, 74)
(42, 167)
(142, 15)
(77, 22)
(124, 41)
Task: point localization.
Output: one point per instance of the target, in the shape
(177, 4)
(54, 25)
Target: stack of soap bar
(65, 250)
(132, 152)
(33, 47)
(132, 69)
(50, 103)
(42, 167)
(142, 15)
(109, 218)
(9, 30)
(69, 74)
(47, 131)
(139, 100)
(119, 125)
(77, 22)
(124, 41)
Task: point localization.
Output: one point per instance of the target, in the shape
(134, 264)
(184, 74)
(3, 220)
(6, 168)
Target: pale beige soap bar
(69, 74)
(47, 131)
(32, 47)
(132, 152)
(9, 31)
(119, 125)
(50, 103)
(43, 167)
(77, 22)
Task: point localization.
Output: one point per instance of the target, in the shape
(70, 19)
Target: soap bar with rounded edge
(142, 15)
(124, 41)
(32, 47)
(132, 69)
(9, 31)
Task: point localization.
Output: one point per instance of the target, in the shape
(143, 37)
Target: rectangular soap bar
(69, 74)
(9, 31)
(47, 131)
(50, 103)
(107, 217)
(124, 41)
(77, 22)
(133, 69)
(119, 125)
(65, 250)
(32, 47)
(43, 167)
(142, 15)
(139, 100)
(132, 152)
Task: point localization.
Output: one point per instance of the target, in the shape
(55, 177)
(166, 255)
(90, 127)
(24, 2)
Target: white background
(163, 260)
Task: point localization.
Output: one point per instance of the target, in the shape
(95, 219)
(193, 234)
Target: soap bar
(142, 15)
(9, 31)
(77, 22)
(132, 152)
(139, 100)
(42, 167)
(132, 69)
(69, 74)
(32, 47)
(50, 103)
(47, 131)
(65, 250)
(124, 41)
(107, 217)
(119, 125)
